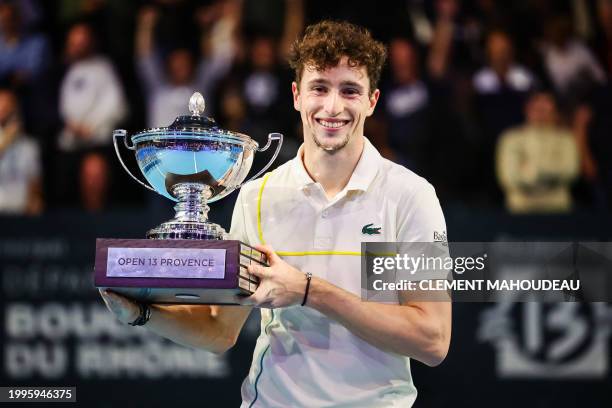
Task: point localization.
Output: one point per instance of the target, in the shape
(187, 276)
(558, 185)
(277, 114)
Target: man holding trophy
(320, 344)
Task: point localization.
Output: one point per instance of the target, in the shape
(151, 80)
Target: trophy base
(184, 296)
(177, 271)
(187, 230)
(184, 260)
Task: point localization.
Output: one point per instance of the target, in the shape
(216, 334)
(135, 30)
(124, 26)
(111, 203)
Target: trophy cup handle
(123, 133)
(271, 137)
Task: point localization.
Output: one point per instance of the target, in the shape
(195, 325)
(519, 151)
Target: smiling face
(334, 104)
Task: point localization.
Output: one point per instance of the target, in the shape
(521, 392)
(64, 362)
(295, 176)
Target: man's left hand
(280, 284)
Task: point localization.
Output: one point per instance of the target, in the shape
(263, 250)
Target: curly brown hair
(325, 43)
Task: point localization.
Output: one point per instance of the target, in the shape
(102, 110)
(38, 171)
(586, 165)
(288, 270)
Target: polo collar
(301, 176)
(363, 175)
(366, 169)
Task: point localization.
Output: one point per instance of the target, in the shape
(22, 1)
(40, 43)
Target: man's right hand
(124, 309)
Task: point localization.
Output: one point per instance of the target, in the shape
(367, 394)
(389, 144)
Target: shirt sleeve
(422, 219)
(422, 234)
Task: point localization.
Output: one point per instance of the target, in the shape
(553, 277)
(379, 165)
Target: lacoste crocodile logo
(369, 230)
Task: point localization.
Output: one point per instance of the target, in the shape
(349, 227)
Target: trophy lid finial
(196, 104)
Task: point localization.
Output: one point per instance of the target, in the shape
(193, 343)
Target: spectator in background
(572, 68)
(112, 20)
(23, 56)
(260, 82)
(538, 161)
(168, 90)
(501, 87)
(232, 109)
(418, 102)
(92, 104)
(265, 17)
(592, 126)
(255, 101)
(25, 61)
(20, 178)
(405, 102)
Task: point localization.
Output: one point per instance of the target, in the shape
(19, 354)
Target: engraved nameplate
(201, 263)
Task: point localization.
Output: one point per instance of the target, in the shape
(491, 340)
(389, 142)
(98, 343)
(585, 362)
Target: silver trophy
(192, 162)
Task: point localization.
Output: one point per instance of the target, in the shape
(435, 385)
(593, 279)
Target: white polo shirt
(302, 358)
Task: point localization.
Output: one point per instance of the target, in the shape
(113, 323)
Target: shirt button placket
(324, 231)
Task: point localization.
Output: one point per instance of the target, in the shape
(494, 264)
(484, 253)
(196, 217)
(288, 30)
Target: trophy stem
(191, 206)
(191, 219)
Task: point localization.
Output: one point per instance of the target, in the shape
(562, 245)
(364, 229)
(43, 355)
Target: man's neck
(332, 170)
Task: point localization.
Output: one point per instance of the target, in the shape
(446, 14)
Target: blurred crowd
(498, 104)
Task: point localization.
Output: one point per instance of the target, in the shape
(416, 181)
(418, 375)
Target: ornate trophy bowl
(186, 259)
(194, 163)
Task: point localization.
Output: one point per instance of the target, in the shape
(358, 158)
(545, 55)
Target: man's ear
(373, 101)
(296, 96)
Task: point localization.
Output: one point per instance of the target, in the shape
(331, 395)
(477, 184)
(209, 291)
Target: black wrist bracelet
(308, 278)
(143, 317)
